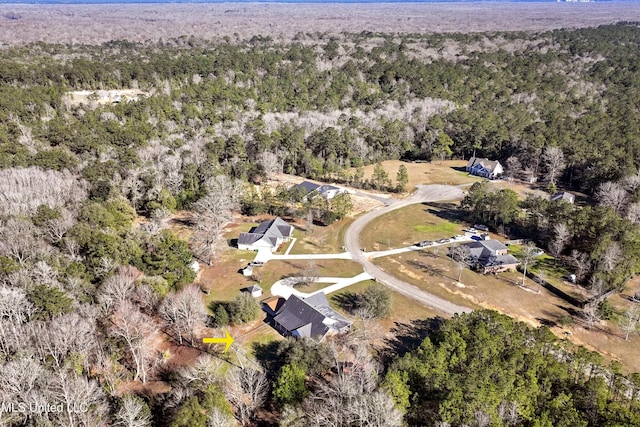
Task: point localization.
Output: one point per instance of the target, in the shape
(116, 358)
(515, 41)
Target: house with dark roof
(484, 167)
(268, 234)
(564, 196)
(310, 317)
(490, 256)
(310, 189)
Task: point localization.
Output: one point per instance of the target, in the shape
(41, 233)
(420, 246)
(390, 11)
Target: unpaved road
(425, 193)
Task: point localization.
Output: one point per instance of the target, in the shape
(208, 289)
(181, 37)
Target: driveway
(424, 193)
(284, 287)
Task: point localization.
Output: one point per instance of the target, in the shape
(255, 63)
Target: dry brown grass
(449, 172)
(437, 274)
(72, 23)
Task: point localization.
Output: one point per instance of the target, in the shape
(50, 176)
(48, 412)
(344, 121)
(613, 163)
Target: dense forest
(91, 279)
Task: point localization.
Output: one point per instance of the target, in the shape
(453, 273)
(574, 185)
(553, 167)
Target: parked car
(481, 227)
(470, 230)
(424, 243)
(256, 263)
(442, 241)
(458, 237)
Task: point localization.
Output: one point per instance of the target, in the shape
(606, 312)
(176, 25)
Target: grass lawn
(449, 172)
(329, 239)
(552, 271)
(408, 225)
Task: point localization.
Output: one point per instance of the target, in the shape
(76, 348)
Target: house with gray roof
(484, 167)
(310, 317)
(268, 234)
(490, 256)
(310, 189)
(563, 196)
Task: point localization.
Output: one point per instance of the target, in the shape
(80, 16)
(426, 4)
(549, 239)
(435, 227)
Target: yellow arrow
(227, 340)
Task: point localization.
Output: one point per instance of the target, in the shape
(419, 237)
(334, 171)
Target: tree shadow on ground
(447, 211)
(434, 271)
(408, 336)
(267, 355)
(348, 301)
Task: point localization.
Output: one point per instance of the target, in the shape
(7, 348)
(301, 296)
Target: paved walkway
(424, 193)
(285, 287)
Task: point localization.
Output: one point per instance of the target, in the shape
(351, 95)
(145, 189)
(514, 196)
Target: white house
(268, 234)
(327, 191)
(484, 167)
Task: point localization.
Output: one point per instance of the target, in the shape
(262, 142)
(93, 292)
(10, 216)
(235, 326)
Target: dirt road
(426, 193)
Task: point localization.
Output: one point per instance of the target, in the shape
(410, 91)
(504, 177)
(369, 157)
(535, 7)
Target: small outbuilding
(564, 196)
(254, 290)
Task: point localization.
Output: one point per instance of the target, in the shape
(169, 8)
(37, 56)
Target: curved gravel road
(424, 193)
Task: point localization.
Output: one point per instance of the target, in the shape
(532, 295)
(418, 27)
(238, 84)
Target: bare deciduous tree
(56, 228)
(61, 336)
(132, 413)
(184, 312)
(527, 256)
(17, 241)
(561, 236)
(22, 190)
(217, 418)
(83, 400)
(633, 213)
(613, 195)
(462, 255)
(15, 310)
(270, 162)
(514, 167)
(212, 213)
(553, 161)
(581, 262)
(138, 332)
(247, 390)
(591, 314)
(611, 257)
(117, 289)
(629, 321)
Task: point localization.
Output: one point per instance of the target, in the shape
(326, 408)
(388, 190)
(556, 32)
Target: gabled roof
(270, 231)
(307, 186)
(274, 303)
(252, 288)
(484, 249)
(501, 260)
(489, 165)
(309, 317)
(563, 195)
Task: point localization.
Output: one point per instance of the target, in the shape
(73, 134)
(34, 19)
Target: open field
(450, 172)
(406, 226)
(71, 23)
(325, 240)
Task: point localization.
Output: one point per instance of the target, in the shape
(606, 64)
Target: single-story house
(491, 256)
(310, 317)
(484, 167)
(308, 188)
(269, 234)
(564, 196)
(254, 290)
